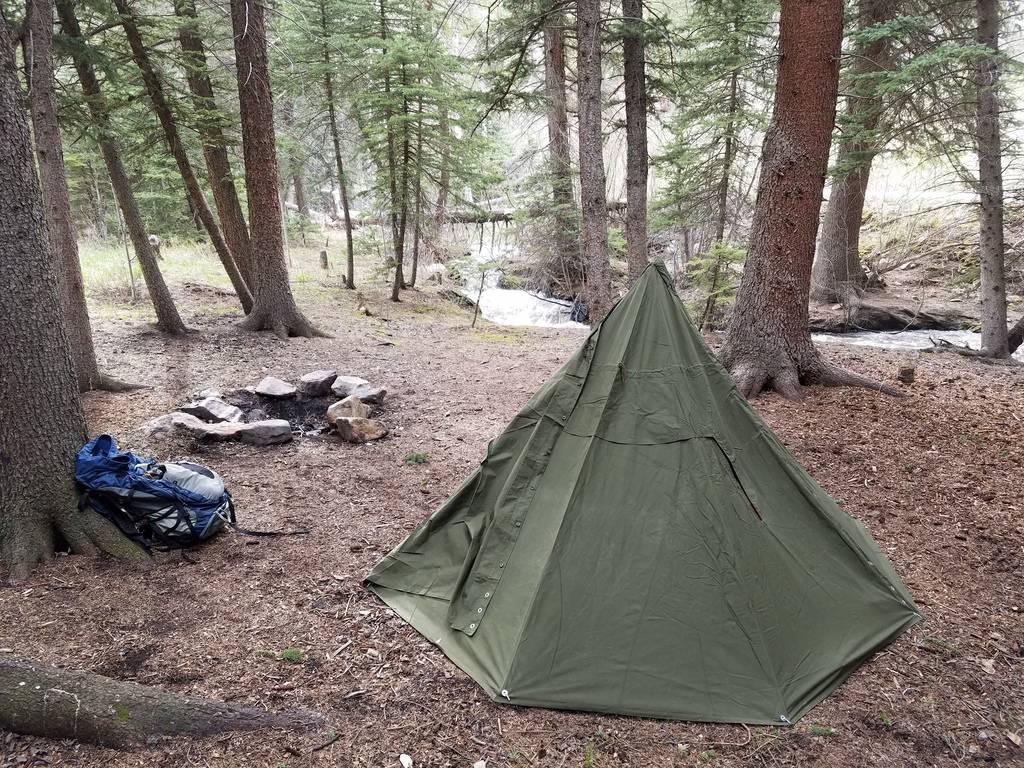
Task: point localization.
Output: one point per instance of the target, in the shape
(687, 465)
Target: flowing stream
(908, 340)
(509, 306)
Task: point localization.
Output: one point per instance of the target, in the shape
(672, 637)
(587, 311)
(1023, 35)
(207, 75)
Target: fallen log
(885, 316)
(71, 704)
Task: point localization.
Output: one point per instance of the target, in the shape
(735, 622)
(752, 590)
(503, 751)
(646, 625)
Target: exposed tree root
(833, 376)
(102, 382)
(789, 376)
(284, 325)
(25, 544)
(71, 704)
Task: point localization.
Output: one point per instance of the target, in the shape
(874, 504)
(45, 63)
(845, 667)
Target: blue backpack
(162, 506)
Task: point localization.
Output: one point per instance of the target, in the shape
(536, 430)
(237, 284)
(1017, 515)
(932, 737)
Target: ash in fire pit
(306, 415)
(275, 411)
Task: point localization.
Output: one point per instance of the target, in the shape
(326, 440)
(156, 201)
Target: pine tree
(274, 307)
(768, 343)
(721, 80)
(38, 499)
(196, 198)
(168, 319)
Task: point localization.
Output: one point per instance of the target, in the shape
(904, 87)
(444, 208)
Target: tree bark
(417, 191)
(38, 49)
(215, 148)
(274, 306)
(837, 276)
(1016, 336)
(332, 114)
(768, 343)
(99, 213)
(43, 425)
(299, 185)
(168, 319)
(635, 86)
(194, 192)
(445, 172)
(72, 704)
(394, 205)
(592, 179)
(565, 214)
(990, 186)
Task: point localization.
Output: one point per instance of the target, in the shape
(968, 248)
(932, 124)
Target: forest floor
(935, 476)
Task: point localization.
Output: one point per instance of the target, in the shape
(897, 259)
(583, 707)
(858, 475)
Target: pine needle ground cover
(934, 477)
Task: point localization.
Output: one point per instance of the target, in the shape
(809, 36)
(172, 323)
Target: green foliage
(723, 76)
(821, 730)
(290, 655)
(589, 755)
(413, 457)
(617, 242)
(712, 279)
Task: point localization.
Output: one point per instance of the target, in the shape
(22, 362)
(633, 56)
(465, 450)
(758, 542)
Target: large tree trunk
(38, 48)
(196, 198)
(215, 148)
(990, 186)
(837, 275)
(332, 116)
(768, 343)
(71, 704)
(635, 85)
(565, 217)
(592, 181)
(43, 425)
(274, 307)
(167, 316)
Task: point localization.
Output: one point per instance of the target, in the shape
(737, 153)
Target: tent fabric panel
(709, 617)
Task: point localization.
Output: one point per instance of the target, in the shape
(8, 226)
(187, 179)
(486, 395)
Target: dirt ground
(935, 476)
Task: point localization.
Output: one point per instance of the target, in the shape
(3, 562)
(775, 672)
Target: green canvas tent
(638, 542)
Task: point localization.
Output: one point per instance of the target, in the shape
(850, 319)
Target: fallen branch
(941, 345)
(72, 704)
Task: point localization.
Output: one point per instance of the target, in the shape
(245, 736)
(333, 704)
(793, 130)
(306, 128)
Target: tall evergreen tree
(215, 145)
(635, 86)
(592, 177)
(988, 144)
(168, 319)
(196, 198)
(837, 275)
(274, 307)
(720, 82)
(768, 342)
(37, 43)
(38, 387)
